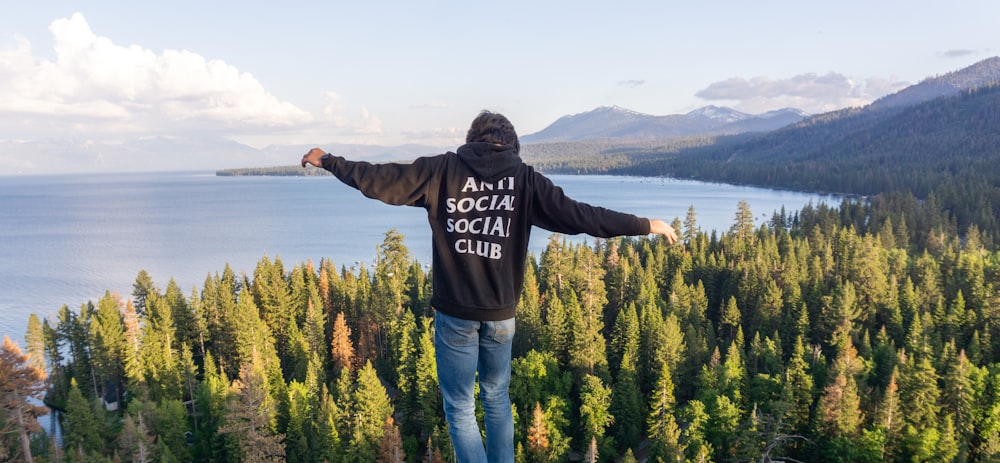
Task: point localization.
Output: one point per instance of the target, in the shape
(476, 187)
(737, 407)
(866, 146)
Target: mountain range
(941, 117)
(936, 143)
(613, 122)
(882, 128)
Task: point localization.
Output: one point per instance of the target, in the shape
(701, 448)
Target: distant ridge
(977, 75)
(615, 122)
(937, 141)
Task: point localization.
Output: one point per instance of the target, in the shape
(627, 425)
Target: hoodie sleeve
(556, 212)
(392, 183)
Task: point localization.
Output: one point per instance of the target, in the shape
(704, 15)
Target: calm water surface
(65, 240)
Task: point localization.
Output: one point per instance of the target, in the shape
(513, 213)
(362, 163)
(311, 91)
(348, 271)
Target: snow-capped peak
(719, 113)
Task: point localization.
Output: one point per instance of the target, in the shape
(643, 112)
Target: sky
(99, 86)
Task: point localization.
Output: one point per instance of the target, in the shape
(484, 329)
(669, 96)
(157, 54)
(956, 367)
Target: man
(481, 203)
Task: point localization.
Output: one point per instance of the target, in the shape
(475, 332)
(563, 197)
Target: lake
(67, 239)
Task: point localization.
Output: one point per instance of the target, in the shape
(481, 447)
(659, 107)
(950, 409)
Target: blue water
(68, 239)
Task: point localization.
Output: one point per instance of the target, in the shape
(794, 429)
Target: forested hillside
(826, 335)
(945, 151)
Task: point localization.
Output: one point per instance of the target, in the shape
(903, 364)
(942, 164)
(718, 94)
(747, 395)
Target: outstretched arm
(392, 183)
(662, 228)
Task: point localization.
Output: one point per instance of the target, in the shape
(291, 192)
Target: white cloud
(809, 92)
(444, 136)
(334, 113)
(96, 88)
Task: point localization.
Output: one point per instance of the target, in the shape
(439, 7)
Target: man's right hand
(662, 228)
(314, 157)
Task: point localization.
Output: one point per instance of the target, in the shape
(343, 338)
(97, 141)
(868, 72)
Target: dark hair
(493, 128)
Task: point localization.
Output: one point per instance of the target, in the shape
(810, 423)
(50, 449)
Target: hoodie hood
(490, 161)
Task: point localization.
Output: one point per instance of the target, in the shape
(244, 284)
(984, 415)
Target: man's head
(490, 127)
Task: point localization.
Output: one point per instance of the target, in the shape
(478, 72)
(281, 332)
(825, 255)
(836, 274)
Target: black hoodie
(481, 204)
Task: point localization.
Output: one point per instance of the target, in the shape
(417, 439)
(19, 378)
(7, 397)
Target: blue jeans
(461, 348)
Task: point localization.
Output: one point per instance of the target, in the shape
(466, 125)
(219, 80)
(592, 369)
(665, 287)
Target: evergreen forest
(861, 332)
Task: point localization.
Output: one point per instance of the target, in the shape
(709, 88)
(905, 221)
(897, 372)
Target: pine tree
(535, 378)
(627, 407)
(218, 304)
(342, 348)
(108, 335)
(159, 352)
(839, 410)
(211, 401)
(626, 397)
(314, 329)
(764, 374)
(135, 440)
(429, 402)
(919, 391)
(388, 289)
(732, 375)
(797, 389)
(254, 338)
(588, 283)
(390, 448)
(82, 433)
(722, 426)
(624, 338)
(661, 425)
(530, 325)
(54, 346)
(35, 343)
(326, 447)
(185, 319)
(556, 409)
(538, 436)
(74, 329)
(555, 266)
(141, 289)
(251, 413)
(869, 273)
(299, 432)
(371, 408)
(595, 403)
(697, 447)
(948, 447)
(958, 400)
(742, 229)
(135, 377)
(888, 415)
(586, 351)
(556, 338)
(651, 344)
(21, 387)
(673, 346)
(271, 295)
(404, 333)
(771, 307)
(691, 228)
(343, 395)
(168, 422)
(730, 320)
